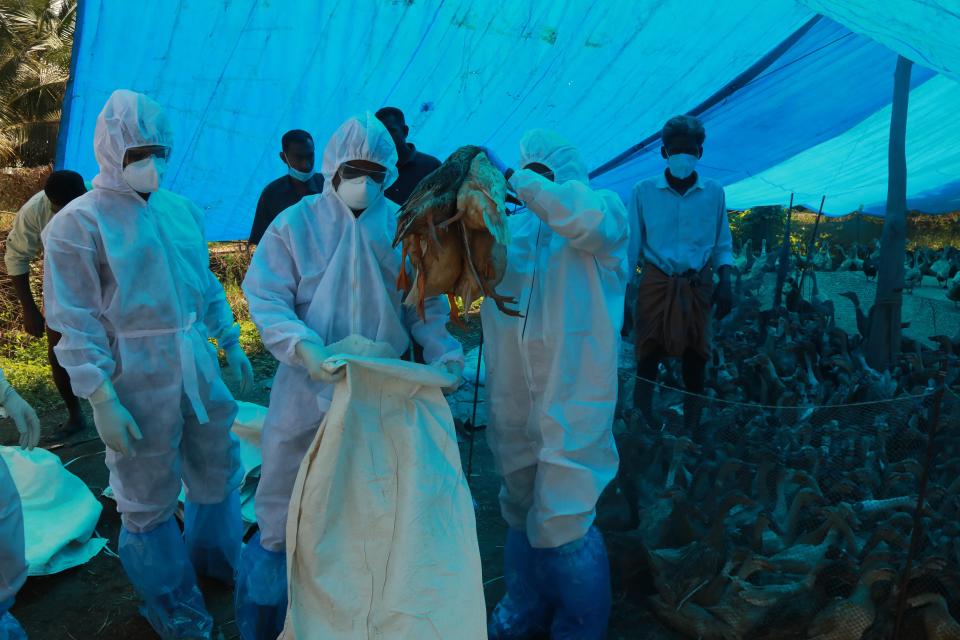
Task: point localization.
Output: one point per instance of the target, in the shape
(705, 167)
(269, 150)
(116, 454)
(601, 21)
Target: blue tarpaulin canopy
(795, 95)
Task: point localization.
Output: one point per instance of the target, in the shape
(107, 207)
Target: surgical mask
(302, 176)
(144, 176)
(359, 193)
(682, 165)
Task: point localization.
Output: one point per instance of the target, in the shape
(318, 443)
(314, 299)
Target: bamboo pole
(883, 345)
(784, 259)
(810, 245)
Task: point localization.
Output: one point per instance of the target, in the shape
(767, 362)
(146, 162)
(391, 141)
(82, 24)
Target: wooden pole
(883, 345)
(917, 534)
(810, 245)
(784, 258)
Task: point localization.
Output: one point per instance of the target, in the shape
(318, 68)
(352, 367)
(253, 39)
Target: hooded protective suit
(13, 564)
(13, 561)
(321, 274)
(552, 374)
(127, 283)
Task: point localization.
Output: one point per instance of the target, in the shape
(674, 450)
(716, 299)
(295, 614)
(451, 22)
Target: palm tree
(36, 37)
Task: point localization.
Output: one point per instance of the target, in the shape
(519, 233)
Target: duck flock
(790, 512)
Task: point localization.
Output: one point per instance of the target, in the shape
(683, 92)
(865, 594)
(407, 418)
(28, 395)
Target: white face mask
(302, 176)
(144, 176)
(359, 193)
(682, 165)
(296, 174)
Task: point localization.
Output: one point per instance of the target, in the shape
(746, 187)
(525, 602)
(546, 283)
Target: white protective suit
(13, 561)
(321, 274)
(127, 282)
(552, 375)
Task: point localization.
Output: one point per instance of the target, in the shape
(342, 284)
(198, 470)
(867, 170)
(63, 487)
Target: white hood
(552, 150)
(361, 137)
(128, 120)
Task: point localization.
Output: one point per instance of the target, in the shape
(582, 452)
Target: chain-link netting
(751, 512)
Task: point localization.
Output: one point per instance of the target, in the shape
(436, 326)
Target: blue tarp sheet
(792, 102)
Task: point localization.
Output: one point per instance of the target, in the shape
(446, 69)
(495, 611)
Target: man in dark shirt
(300, 181)
(412, 165)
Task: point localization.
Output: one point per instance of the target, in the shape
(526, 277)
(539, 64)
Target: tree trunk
(884, 340)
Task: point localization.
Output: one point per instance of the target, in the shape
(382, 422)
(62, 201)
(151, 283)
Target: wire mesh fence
(788, 520)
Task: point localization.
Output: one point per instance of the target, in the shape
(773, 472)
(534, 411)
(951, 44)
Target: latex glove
(455, 368)
(23, 415)
(495, 160)
(357, 345)
(116, 426)
(313, 356)
(239, 366)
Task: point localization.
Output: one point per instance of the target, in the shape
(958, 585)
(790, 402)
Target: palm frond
(36, 37)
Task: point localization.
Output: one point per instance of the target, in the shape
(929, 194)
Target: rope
(775, 407)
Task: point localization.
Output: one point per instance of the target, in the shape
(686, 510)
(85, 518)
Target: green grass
(23, 359)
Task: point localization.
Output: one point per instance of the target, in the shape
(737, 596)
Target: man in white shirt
(23, 247)
(682, 235)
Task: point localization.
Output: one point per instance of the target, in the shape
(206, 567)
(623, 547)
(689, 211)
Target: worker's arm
(431, 333)
(32, 318)
(260, 220)
(635, 220)
(73, 302)
(217, 314)
(575, 211)
(23, 246)
(271, 288)
(723, 260)
(723, 246)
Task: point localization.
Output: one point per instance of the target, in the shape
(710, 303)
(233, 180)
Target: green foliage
(36, 38)
(758, 224)
(934, 231)
(23, 360)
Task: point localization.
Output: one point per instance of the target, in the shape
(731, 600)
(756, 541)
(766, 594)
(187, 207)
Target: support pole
(917, 534)
(812, 243)
(784, 258)
(883, 346)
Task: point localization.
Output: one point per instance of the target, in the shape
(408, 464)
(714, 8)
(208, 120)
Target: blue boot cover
(575, 581)
(261, 591)
(522, 612)
(213, 533)
(10, 629)
(156, 563)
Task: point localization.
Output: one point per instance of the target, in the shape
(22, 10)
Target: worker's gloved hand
(357, 345)
(116, 426)
(23, 415)
(455, 368)
(498, 164)
(313, 356)
(33, 322)
(239, 366)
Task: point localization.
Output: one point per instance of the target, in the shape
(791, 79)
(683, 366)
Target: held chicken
(454, 230)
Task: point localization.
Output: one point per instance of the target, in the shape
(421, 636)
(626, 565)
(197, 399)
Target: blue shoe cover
(213, 533)
(156, 563)
(10, 629)
(522, 612)
(575, 581)
(261, 592)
